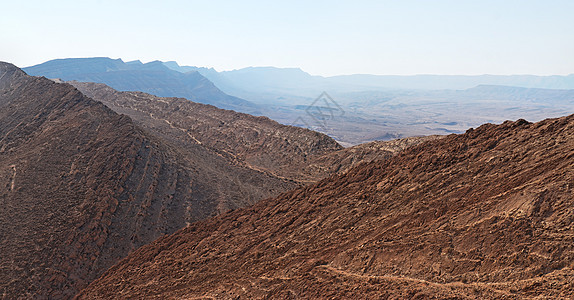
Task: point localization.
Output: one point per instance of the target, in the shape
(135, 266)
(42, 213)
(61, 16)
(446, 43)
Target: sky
(321, 37)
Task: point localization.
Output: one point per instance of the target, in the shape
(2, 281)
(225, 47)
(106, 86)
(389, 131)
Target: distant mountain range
(153, 77)
(375, 107)
(261, 84)
(271, 80)
(368, 107)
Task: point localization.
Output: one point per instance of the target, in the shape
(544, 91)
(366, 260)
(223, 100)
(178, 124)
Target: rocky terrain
(81, 186)
(343, 160)
(254, 142)
(296, 154)
(482, 215)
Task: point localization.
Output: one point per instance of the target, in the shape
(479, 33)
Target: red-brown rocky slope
(486, 215)
(255, 142)
(320, 166)
(293, 153)
(81, 187)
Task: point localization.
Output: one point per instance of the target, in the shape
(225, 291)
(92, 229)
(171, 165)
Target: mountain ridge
(85, 182)
(82, 186)
(292, 153)
(153, 77)
(258, 143)
(481, 215)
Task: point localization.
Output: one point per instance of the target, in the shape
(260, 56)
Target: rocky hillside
(82, 186)
(485, 215)
(254, 142)
(341, 161)
(296, 154)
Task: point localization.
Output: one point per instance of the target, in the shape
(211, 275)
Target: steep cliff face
(81, 187)
(486, 214)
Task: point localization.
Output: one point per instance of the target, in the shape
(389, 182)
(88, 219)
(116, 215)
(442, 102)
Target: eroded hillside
(82, 186)
(484, 215)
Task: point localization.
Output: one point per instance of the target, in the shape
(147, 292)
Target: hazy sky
(321, 37)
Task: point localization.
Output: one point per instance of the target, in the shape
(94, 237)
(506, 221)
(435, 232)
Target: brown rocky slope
(486, 214)
(296, 154)
(254, 142)
(81, 187)
(84, 186)
(343, 160)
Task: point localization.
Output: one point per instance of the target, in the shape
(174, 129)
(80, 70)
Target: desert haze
(368, 108)
(373, 149)
(95, 178)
